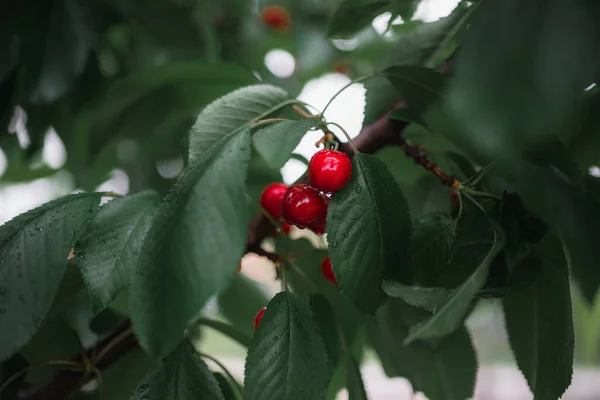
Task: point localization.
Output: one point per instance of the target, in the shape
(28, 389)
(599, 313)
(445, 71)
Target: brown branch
(61, 384)
(380, 133)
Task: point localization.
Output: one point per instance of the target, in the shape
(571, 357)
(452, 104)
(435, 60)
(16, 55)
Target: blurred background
(101, 97)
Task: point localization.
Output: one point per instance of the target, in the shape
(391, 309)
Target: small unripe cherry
(329, 170)
(302, 204)
(271, 198)
(327, 271)
(276, 17)
(258, 317)
(318, 226)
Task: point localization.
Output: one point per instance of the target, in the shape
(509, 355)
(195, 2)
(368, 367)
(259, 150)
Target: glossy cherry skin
(302, 204)
(327, 271)
(258, 317)
(329, 170)
(276, 17)
(271, 198)
(318, 226)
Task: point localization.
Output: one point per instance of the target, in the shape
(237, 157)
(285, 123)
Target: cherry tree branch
(380, 133)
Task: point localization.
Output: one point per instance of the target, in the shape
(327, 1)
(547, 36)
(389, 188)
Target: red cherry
(302, 204)
(318, 226)
(329, 170)
(276, 17)
(271, 197)
(327, 271)
(258, 317)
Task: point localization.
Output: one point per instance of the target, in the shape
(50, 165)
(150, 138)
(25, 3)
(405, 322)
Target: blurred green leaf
(109, 249)
(352, 15)
(428, 195)
(183, 375)
(121, 378)
(450, 315)
(428, 298)
(431, 248)
(226, 387)
(198, 268)
(54, 51)
(407, 115)
(569, 210)
(326, 323)
(424, 44)
(231, 112)
(419, 87)
(241, 313)
(276, 142)
(540, 326)
(35, 245)
(155, 103)
(518, 72)
(287, 356)
(360, 251)
(446, 370)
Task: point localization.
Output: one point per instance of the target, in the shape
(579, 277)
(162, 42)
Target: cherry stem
(58, 363)
(479, 175)
(300, 111)
(345, 134)
(262, 122)
(357, 80)
(112, 194)
(220, 364)
(123, 335)
(477, 193)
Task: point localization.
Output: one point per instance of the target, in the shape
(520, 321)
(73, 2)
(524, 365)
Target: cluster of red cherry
(305, 206)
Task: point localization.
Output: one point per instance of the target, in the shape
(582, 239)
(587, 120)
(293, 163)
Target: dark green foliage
(181, 97)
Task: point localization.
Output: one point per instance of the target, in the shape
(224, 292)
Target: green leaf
(157, 103)
(109, 249)
(352, 15)
(425, 44)
(427, 195)
(362, 219)
(54, 52)
(429, 298)
(431, 247)
(276, 142)
(354, 384)
(449, 316)
(225, 386)
(231, 112)
(421, 46)
(287, 359)
(407, 115)
(419, 87)
(380, 97)
(518, 74)
(444, 371)
(121, 378)
(540, 326)
(241, 313)
(182, 261)
(569, 210)
(226, 329)
(182, 376)
(326, 323)
(34, 248)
